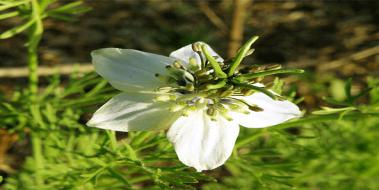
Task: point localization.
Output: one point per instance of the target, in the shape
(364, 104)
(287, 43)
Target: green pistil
(215, 65)
(241, 54)
(209, 88)
(217, 85)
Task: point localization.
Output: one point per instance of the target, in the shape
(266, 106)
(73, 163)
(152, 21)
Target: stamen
(165, 89)
(226, 93)
(164, 98)
(212, 113)
(188, 76)
(176, 107)
(255, 108)
(224, 112)
(187, 110)
(247, 92)
(177, 64)
(236, 105)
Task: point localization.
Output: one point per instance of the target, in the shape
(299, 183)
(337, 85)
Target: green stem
(38, 159)
(33, 73)
(269, 72)
(112, 139)
(34, 38)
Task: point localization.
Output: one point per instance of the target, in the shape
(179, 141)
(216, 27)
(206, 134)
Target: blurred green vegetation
(332, 148)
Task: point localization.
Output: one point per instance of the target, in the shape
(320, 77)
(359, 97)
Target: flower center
(215, 86)
(192, 88)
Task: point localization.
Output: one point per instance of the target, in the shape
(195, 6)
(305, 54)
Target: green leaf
(328, 110)
(9, 15)
(16, 30)
(9, 4)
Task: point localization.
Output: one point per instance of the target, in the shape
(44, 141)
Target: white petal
(202, 143)
(183, 54)
(130, 70)
(132, 112)
(274, 111)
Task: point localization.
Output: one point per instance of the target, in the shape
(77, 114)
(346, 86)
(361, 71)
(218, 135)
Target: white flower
(182, 92)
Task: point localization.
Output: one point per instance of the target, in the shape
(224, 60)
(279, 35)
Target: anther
(224, 112)
(212, 113)
(188, 77)
(196, 47)
(273, 67)
(165, 89)
(164, 98)
(177, 64)
(247, 92)
(226, 93)
(176, 107)
(201, 72)
(255, 108)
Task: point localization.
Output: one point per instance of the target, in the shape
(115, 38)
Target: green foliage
(34, 11)
(333, 148)
(76, 157)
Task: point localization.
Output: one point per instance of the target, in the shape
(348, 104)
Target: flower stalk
(34, 37)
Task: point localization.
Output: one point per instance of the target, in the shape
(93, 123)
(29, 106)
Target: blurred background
(329, 38)
(332, 41)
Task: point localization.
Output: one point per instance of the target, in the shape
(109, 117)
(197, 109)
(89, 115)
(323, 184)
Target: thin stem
(38, 158)
(35, 35)
(33, 73)
(112, 139)
(34, 38)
